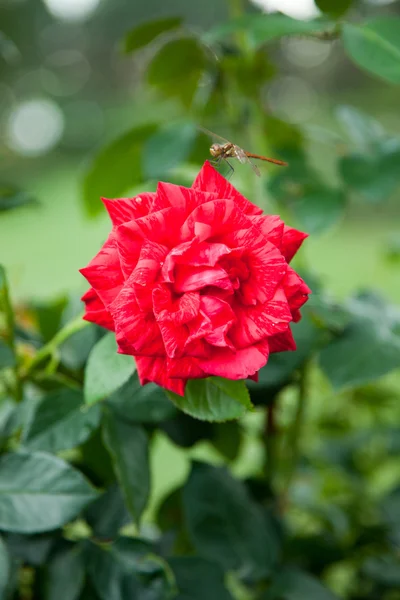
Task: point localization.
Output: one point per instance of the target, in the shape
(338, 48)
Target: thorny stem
(50, 349)
(294, 439)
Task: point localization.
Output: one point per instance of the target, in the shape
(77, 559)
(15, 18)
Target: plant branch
(49, 350)
(294, 438)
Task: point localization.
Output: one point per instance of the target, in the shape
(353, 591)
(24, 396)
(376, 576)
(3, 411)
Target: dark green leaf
(66, 575)
(96, 461)
(213, 399)
(108, 513)
(383, 569)
(128, 569)
(293, 584)
(8, 50)
(225, 525)
(4, 568)
(198, 578)
(7, 357)
(39, 492)
(61, 421)
(261, 29)
(49, 317)
(75, 350)
(375, 47)
(319, 208)
(375, 177)
(128, 447)
(167, 148)
(227, 439)
(364, 131)
(186, 431)
(177, 68)
(31, 549)
(368, 348)
(106, 370)
(115, 169)
(334, 8)
(142, 403)
(145, 33)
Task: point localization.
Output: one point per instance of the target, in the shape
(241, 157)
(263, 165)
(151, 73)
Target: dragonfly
(226, 149)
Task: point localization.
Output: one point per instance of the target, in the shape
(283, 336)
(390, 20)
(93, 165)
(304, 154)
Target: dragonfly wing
(212, 134)
(243, 158)
(241, 155)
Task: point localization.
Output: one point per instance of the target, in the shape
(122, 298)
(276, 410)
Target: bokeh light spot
(34, 127)
(71, 10)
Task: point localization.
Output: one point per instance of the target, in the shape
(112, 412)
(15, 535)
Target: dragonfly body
(227, 150)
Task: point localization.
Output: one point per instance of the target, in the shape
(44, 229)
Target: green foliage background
(283, 490)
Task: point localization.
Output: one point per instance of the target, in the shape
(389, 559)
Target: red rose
(196, 282)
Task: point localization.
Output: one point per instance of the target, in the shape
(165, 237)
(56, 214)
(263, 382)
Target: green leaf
(227, 439)
(8, 50)
(145, 33)
(364, 131)
(39, 492)
(177, 67)
(31, 549)
(185, 431)
(115, 169)
(198, 578)
(213, 399)
(375, 47)
(375, 177)
(141, 403)
(368, 348)
(128, 447)
(12, 197)
(7, 357)
(128, 569)
(108, 513)
(106, 370)
(294, 584)
(382, 569)
(167, 148)
(225, 525)
(319, 208)
(261, 28)
(4, 568)
(61, 421)
(334, 8)
(66, 575)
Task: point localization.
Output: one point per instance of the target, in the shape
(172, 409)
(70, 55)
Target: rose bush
(196, 282)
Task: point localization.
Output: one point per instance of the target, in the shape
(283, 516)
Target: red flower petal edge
(196, 282)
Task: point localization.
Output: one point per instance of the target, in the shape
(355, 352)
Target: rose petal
(255, 323)
(292, 239)
(104, 271)
(122, 210)
(95, 312)
(267, 268)
(182, 198)
(155, 370)
(282, 342)
(194, 253)
(214, 219)
(236, 365)
(136, 332)
(209, 180)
